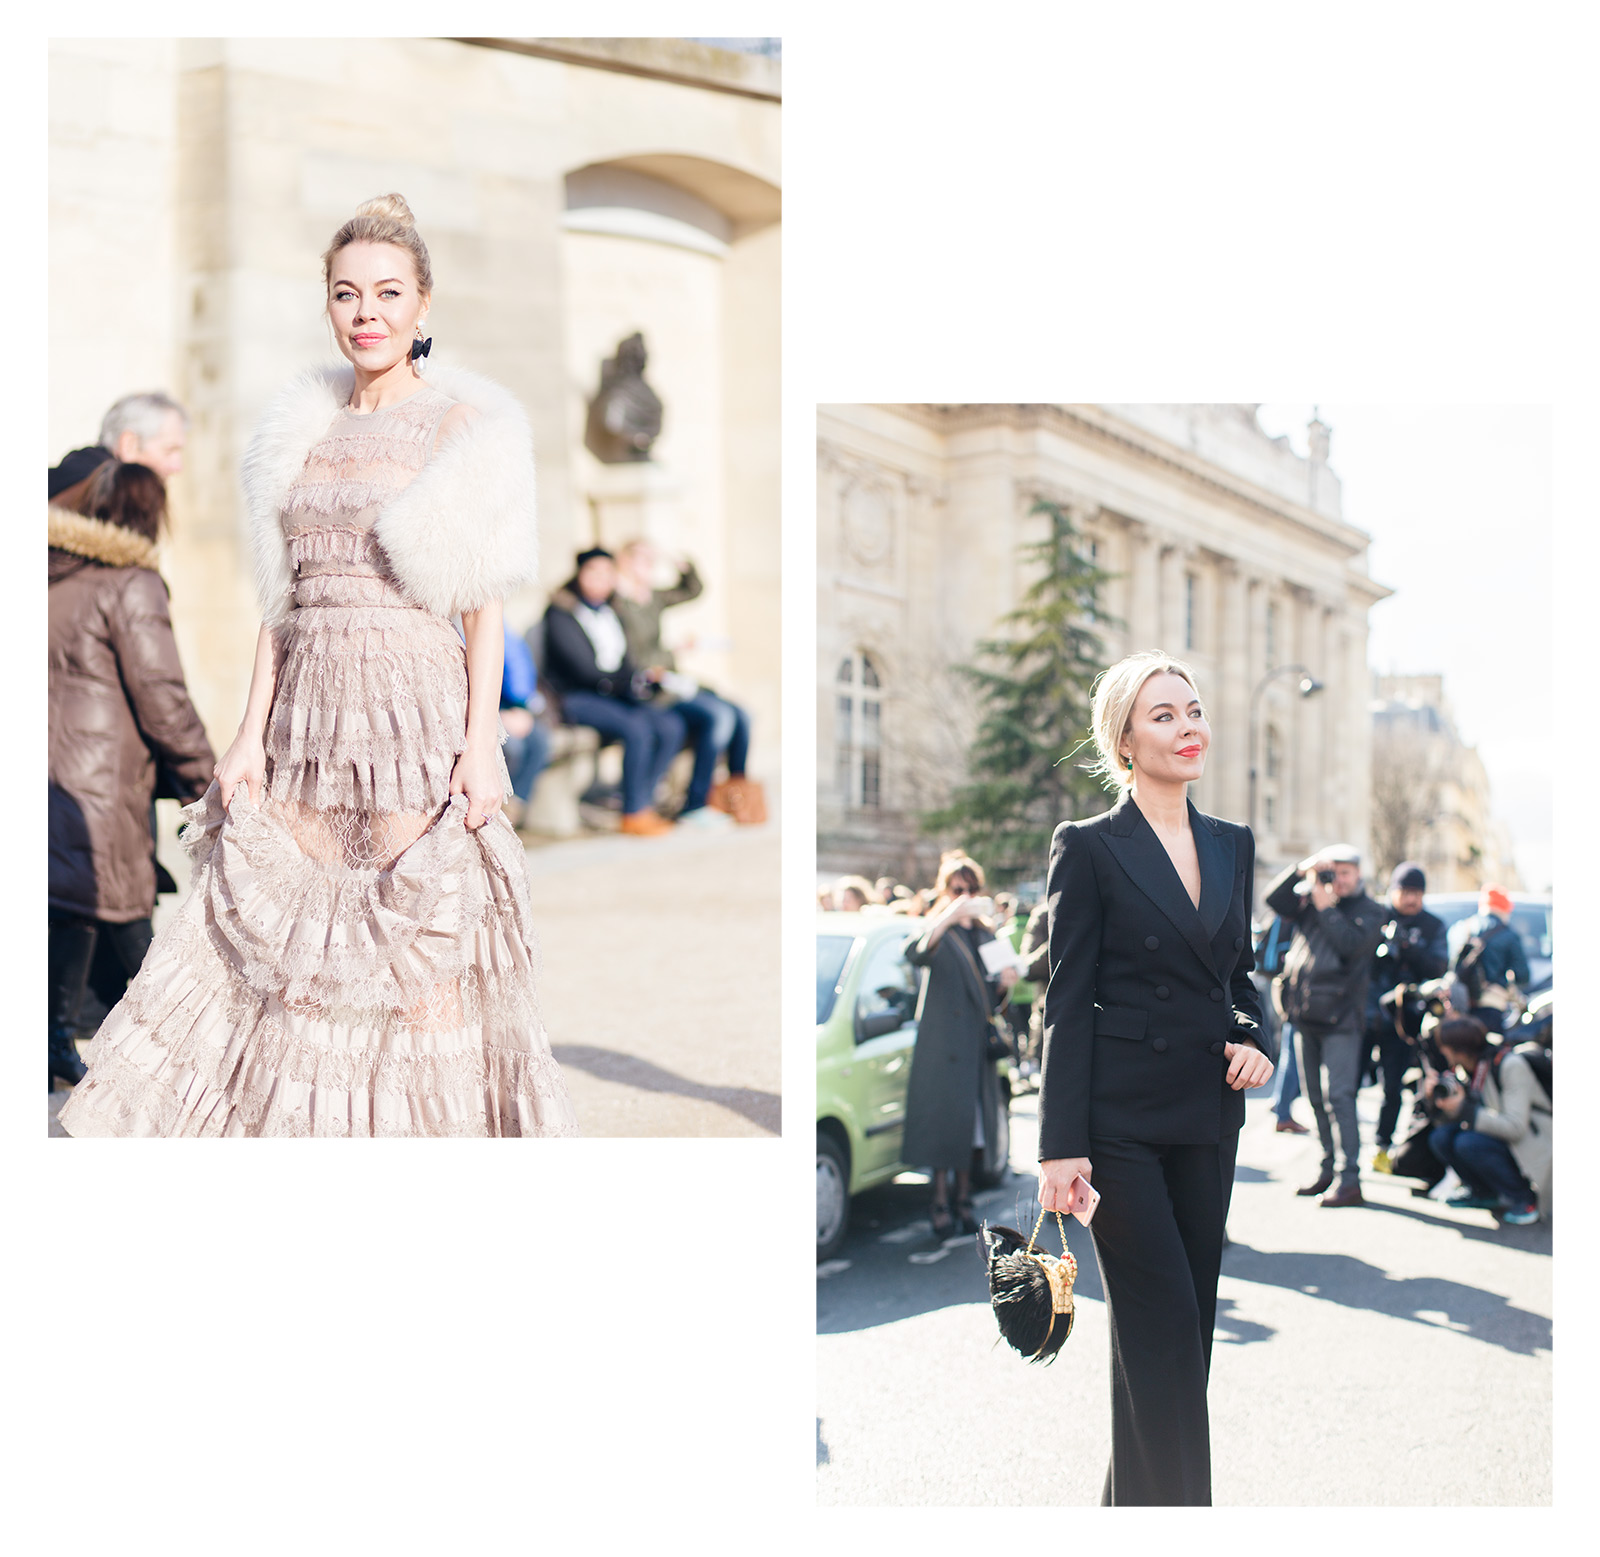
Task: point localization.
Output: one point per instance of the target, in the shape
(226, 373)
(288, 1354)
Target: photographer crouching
(1491, 1123)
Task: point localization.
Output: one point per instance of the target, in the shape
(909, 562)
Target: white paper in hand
(998, 955)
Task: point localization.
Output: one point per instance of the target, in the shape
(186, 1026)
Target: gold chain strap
(1060, 1273)
(1040, 1223)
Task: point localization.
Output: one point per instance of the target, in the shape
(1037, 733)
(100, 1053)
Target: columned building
(571, 191)
(1229, 550)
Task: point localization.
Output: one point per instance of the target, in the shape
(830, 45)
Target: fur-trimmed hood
(461, 534)
(98, 541)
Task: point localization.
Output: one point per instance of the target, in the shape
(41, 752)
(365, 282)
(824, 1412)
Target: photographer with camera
(1492, 1124)
(1412, 951)
(1324, 993)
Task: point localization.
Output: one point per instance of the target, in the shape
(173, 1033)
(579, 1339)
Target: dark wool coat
(117, 703)
(1324, 980)
(1145, 990)
(949, 1076)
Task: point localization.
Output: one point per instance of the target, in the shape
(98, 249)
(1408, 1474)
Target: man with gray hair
(1324, 990)
(148, 429)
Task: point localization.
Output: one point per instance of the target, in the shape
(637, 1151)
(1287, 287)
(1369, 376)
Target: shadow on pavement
(822, 1447)
(898, 1269)
(1531, 1240)
(1427, 1300)
(1232, 1330)
(628, 1070)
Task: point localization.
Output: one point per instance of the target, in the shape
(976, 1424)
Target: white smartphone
(1085, 1197)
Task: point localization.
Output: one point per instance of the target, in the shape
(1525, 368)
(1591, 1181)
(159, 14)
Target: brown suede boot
(645, 824)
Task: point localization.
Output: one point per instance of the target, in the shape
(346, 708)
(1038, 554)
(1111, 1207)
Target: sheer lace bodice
(352, 960)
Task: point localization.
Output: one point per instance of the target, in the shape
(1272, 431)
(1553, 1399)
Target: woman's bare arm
(245, 761)
(477, 770)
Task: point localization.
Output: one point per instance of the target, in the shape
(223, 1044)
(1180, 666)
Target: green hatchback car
(867, 995)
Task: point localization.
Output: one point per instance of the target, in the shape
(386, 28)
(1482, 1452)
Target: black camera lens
(1325, 875)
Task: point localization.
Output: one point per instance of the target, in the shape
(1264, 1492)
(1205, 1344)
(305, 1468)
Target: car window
(1532, 922)
(832, 952)
(888, 985)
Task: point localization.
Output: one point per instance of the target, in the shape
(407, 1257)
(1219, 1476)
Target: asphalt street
(659, 985)
(1393, 1354)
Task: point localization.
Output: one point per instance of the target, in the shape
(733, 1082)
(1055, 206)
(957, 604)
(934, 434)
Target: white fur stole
(461, 534)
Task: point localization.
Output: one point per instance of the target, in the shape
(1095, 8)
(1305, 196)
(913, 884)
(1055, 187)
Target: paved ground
(660, 983)
(1397, 1354)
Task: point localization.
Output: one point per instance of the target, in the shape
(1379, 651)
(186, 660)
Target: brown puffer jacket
(117, 702)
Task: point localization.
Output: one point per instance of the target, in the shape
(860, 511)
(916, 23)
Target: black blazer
(1144, 989)
(569, 661)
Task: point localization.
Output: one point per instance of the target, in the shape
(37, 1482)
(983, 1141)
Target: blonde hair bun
(391, 205)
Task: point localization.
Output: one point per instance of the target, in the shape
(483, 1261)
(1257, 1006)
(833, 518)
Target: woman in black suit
(1152, 1036)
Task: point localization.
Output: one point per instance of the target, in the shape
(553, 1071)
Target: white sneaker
(705, 818)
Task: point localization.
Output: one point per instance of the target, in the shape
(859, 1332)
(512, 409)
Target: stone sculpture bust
(625, 416)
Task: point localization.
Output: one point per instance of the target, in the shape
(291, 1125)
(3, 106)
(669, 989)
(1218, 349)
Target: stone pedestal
(626, 502)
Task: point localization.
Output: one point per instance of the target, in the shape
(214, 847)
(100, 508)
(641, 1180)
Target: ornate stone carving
(625, 415)
(866, 517)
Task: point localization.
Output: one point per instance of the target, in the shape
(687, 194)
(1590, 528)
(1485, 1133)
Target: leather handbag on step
(742, 798)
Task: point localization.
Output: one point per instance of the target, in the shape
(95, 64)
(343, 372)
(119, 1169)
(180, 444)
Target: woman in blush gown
(356, 956)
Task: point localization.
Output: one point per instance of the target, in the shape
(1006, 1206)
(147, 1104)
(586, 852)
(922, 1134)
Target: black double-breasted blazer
(1145, 990)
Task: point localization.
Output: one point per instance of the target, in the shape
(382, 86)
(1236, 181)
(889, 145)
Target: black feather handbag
(1030, 1291)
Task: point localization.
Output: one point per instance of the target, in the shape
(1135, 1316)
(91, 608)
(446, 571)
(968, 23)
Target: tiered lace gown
(351, 959)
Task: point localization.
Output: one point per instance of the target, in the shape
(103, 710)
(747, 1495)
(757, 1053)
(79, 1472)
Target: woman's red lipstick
(1188, 751)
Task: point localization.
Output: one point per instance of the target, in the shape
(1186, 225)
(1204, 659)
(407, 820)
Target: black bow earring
(419, 347)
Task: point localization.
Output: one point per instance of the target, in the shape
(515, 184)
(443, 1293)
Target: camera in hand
(1325, 877)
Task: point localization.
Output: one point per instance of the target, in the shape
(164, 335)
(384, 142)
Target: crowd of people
(1367, 990)
(124, 731)
(1358, 991)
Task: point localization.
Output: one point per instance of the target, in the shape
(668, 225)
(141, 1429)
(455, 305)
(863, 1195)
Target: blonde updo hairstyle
(1116, 690)
(387, 219)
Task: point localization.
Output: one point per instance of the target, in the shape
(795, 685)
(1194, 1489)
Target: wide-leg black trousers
(1158, 1237)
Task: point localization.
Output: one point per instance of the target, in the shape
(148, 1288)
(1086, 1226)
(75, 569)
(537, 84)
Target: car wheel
(994, 1162)
(833, 1196)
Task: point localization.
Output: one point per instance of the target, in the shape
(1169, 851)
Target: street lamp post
(1309, 687)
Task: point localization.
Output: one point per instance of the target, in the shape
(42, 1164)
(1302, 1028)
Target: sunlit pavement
(660, 976)
(1392, 1354)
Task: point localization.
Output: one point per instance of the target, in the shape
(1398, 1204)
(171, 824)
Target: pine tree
(1033, 692)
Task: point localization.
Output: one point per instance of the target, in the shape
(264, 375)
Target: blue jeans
(526, 756)
(651, 737)
(1482, 1162)
(1287, 1088)
(715, 725)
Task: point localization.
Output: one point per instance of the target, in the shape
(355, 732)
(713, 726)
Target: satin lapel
(1141, 854)
(1216, 871)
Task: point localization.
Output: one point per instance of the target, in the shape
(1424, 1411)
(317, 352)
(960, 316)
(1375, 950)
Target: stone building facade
(1431, 789)
(571, 191)
(1229, 550)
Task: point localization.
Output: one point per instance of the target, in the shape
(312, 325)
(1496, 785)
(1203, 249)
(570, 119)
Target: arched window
(858, 731)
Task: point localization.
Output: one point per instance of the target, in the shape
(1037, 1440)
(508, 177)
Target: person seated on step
(717, 727)
(588, 666)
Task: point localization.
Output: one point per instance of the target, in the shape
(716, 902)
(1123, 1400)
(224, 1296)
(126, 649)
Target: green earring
(1127, 762)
